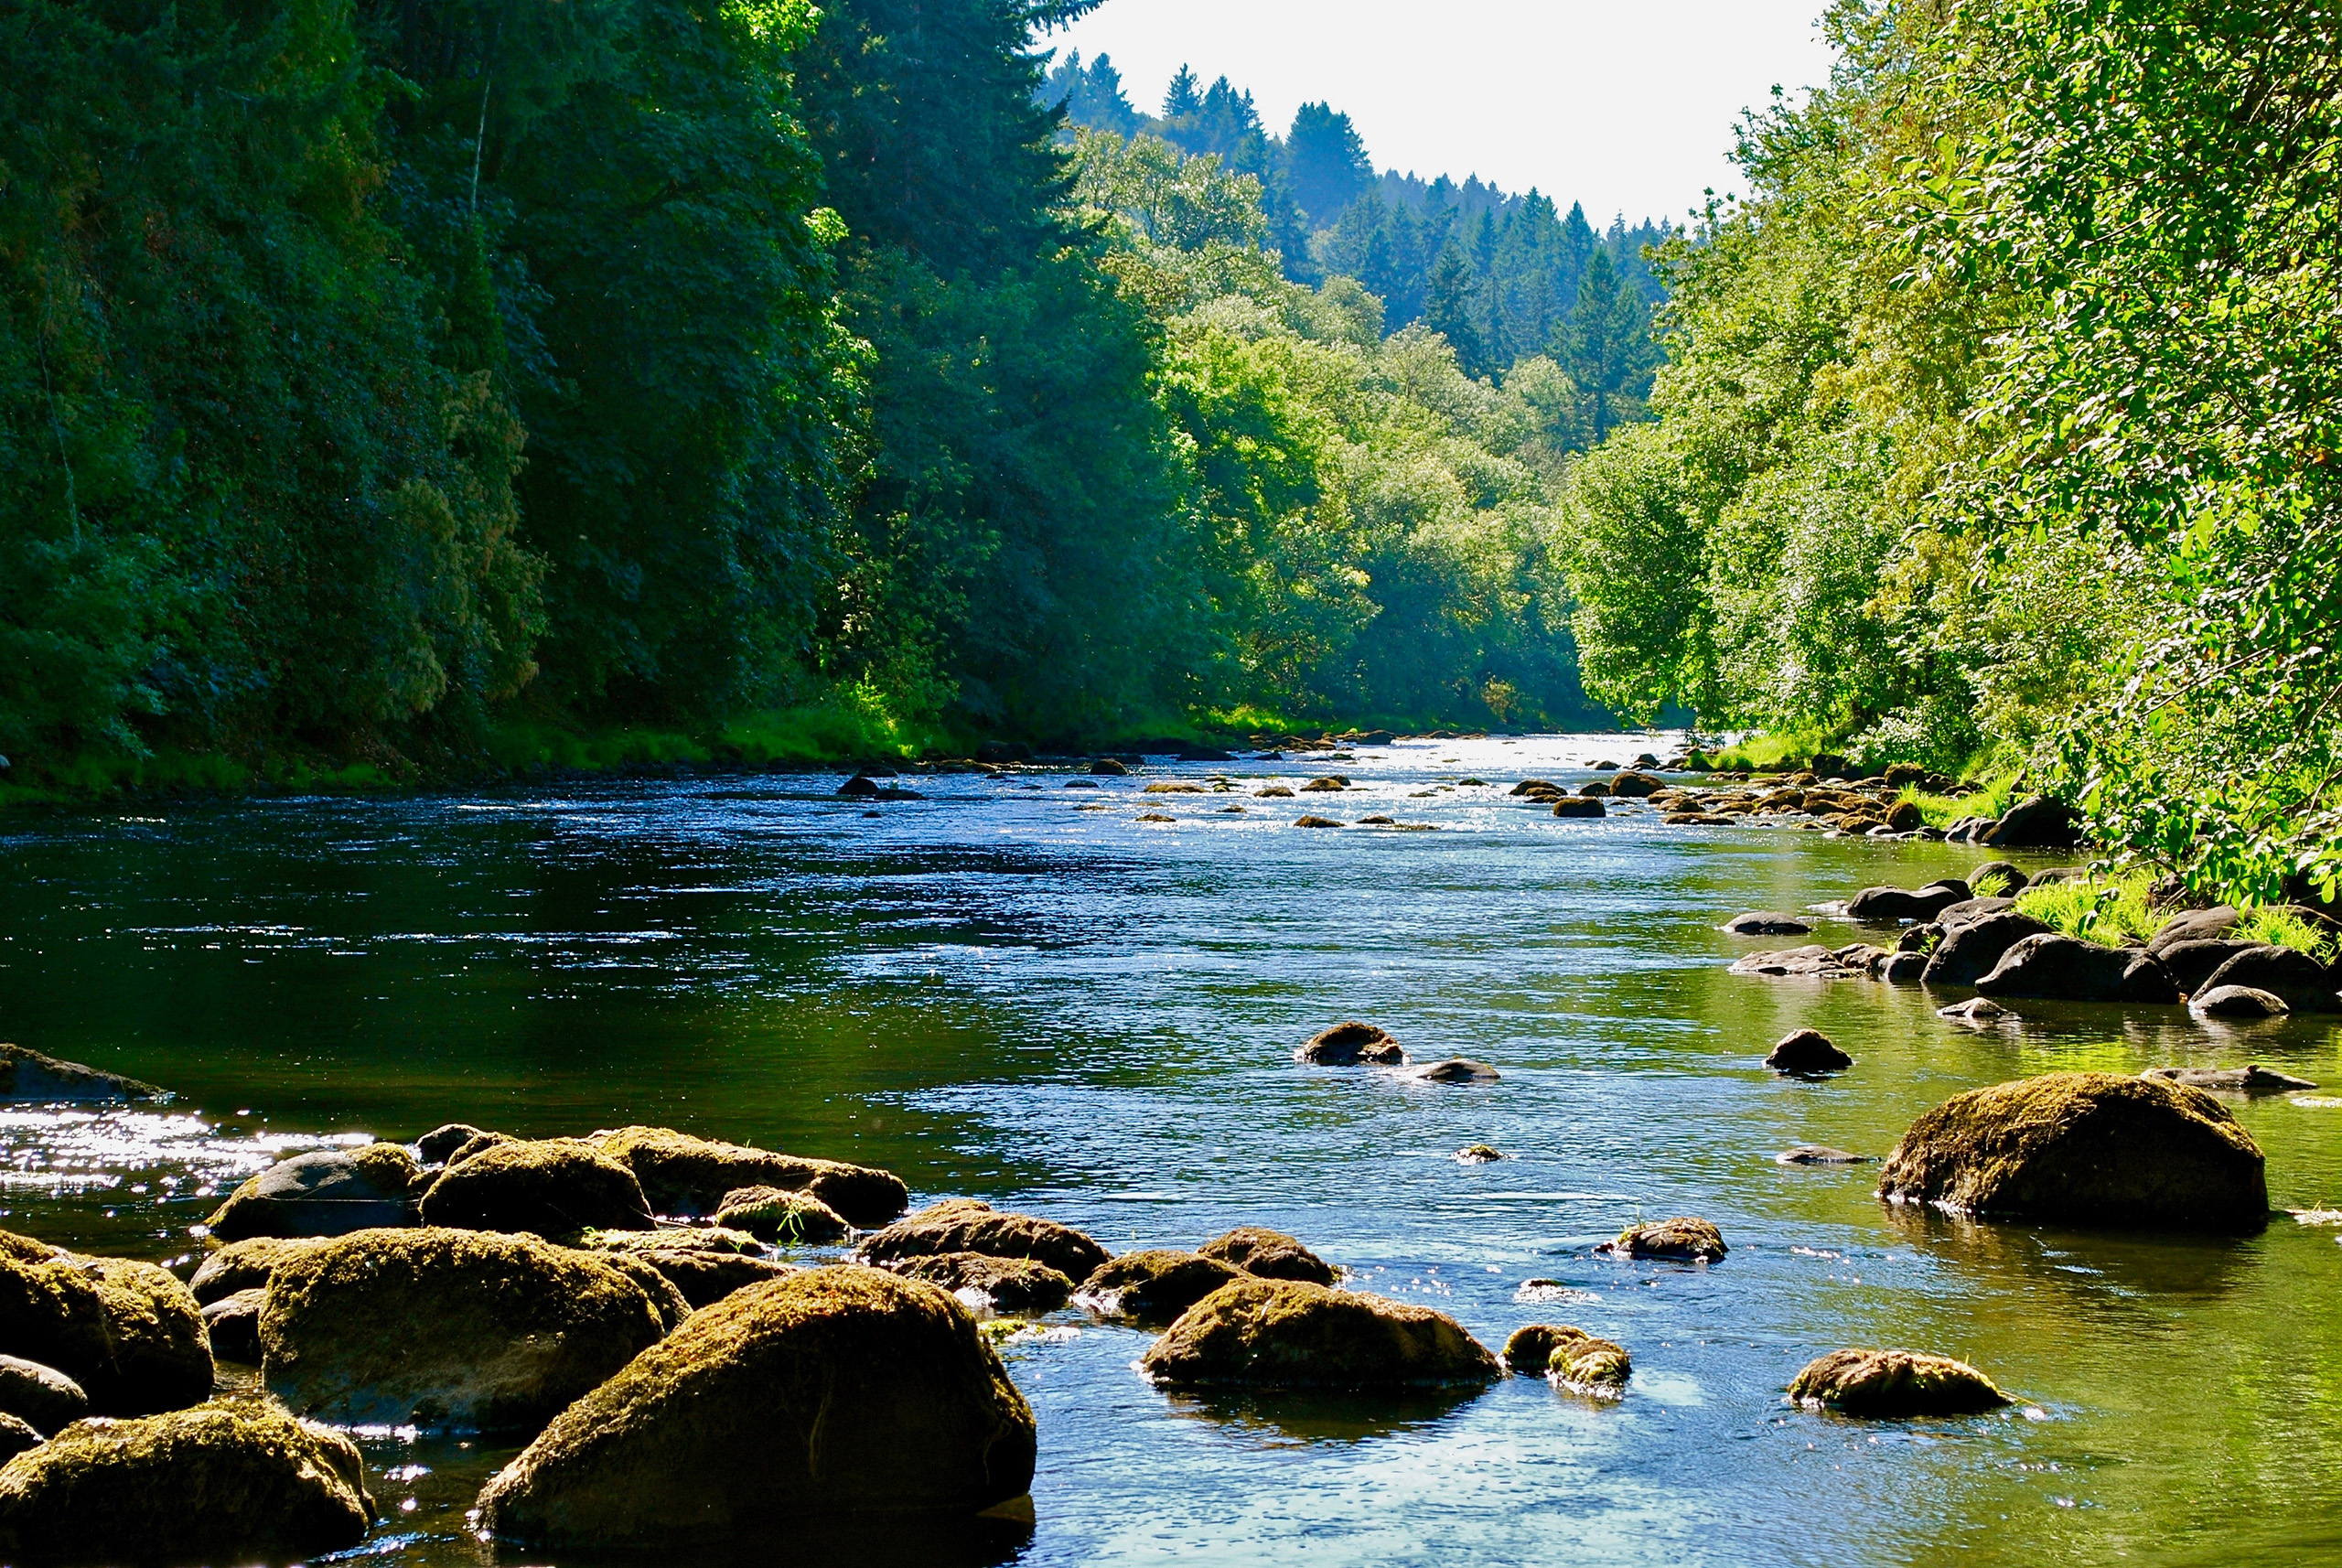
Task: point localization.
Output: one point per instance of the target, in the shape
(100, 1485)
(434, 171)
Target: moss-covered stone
(1269, 1255)
(1887, 1384)
(1569, 1357)
(1684, 1237)
(834, 1391)
(234, 1324)
(447, 1328)
(551, 1186)
(227, 1481)
(964, 1224)
(686, 1176)
(243, 1265)
(1286, 1333)
(127, 1332)
(1006, 1284)
(1155, 1285)
(42, 1396)
(781, 1219)
(329, 1193)
(2088, 1148)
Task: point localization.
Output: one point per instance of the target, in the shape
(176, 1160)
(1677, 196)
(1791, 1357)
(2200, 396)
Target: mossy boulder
(127, 1332)
(42, 1396)
(243, 1265)
(1569, 1357)
(834, 1391)
(1889, 1384)
(1287, 1334)
(686, 1176)
(460, 1329)
(964, 1224)
(1269, 1255)
(329, 1193)
(227, 1481)
(781, 1219)
(1684, 1237)
(1006, 1284)
(1155, 1285)
(551, 1188)
(2088, 1148)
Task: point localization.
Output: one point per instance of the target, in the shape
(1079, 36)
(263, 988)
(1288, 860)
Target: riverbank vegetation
(390, 393)
(1998, 421)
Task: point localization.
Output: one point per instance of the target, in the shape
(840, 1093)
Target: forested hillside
(401, 390)
(2000, 422)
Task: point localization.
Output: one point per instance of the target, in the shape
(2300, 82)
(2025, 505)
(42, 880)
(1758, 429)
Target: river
(995, 992)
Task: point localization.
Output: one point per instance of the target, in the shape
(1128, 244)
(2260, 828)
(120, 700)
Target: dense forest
(398, 389)
(1999, 423)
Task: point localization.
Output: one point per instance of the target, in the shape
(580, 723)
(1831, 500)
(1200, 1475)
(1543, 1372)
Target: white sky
(1626, 106)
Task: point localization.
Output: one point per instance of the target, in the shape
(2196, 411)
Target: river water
(995, 992)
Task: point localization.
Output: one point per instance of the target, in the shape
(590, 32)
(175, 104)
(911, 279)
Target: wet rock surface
(234, 1481)
(2088, 1148)
(1892, 1384)
(1289, 1333)
(836, 1391)
(964, 1224)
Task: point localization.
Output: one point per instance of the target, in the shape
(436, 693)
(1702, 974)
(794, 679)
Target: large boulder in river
(2087, 1148)
(964, 1224)
(128, 1333)
(1270, 1255)
(247, 1265)
(1890, 1384)
(1287, 1334)
(1972, 950)
(683, 1174)
(28, 1076)
(2307, 985)
(550, 1186)
(836, 1391)
(2038, 823)
(455, 1330)
(1349, 1043)
(2068, 969)
(41, 1397)
(1155, 1285)
(329, 1193)
(235, 1481)
(1888, 906)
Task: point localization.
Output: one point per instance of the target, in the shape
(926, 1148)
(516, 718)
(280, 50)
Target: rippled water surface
(995, 991)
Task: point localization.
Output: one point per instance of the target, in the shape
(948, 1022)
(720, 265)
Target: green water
(995, 993)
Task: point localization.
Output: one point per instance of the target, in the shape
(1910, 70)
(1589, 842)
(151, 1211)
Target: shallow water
(996, 994)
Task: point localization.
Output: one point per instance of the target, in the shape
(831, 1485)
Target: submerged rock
(1288, 1334)
(128, 1333)
(964, 1224)
(2088, 1148)
(1889, 1384)
(1154, 1286)
(447, 1328)
(1569, 1357)
(2252, 1079)
(1006, 1284)
(1269, 1255)
(1767, 923)
(329, 1193)
(1819, 1155)
(684, 1175)
(1455, 1069)
(836, 1391)
(1972, 948)
(1350, 1043)
(2238, 1002)
(41, 1397)
(1684, 1237)
(243, 1265)
(234, 1325)
(2068, 969)
(550, 1186)
(1808, 1052)
(227, 1481)
(782, 1219)
(28, 1076)
(2304, 983)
